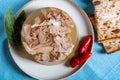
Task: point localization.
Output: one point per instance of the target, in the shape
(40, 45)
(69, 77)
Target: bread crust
(110, 52)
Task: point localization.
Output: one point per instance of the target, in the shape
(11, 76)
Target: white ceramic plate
(59, 71)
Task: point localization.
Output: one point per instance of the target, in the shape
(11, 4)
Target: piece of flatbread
(110, 45)
(107, 19)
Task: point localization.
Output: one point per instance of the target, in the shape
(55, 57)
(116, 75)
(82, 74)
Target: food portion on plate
(48, 37)
(106, 20)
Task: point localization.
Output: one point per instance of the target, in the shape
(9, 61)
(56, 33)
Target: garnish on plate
(13, 27)
(84, 52)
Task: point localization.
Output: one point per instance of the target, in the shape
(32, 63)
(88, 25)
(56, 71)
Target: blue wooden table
(100, 66)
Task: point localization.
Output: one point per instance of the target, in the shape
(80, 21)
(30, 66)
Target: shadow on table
(1, 26)
(86, 5)
(101, 50)
(9, 60)
(90, 8)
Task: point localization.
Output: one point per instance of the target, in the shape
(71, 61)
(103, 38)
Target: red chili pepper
(79, 60)
(86, 44)
(84, 57)
(84, 48)
(74, 62)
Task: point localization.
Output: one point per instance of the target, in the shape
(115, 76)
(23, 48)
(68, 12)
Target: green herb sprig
(13, 27)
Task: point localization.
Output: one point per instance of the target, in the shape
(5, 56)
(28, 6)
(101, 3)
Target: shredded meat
(37, 20)
(49, 40)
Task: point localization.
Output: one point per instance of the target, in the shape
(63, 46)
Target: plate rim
(83, 14)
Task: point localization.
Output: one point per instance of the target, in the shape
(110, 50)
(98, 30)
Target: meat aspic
(49, 40)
